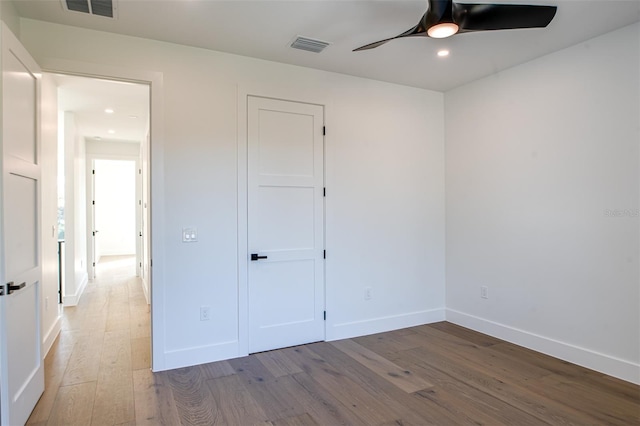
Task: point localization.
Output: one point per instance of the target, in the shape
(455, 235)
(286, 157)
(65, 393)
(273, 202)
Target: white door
(286, 223)
(93, 257)
(21, 368)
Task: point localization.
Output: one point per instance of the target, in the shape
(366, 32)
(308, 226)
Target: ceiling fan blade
(487, 17)
(373, 45)
(418, 30)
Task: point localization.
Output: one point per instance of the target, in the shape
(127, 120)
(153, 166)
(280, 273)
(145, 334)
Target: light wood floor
(439, 374)
(104, 341)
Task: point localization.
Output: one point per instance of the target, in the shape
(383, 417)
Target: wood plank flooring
(439, 374)
(89, 371)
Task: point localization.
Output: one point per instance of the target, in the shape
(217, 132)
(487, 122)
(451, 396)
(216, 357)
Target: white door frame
(156, 181)
(283, 93)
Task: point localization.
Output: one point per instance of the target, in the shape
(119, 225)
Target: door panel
(287, 153)
(20, 236)
(19, 120)
(21, 368)
(286, 223)
(286, 218)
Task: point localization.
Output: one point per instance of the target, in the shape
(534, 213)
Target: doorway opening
(114, 214)
(103, 141)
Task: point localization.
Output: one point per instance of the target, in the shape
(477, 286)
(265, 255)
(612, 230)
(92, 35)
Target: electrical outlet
(484, 292)
(205, 313)
(367, 293)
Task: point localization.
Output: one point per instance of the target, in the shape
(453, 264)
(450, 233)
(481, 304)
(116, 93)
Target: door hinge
(93, 172)
(325, 315)
(139, 171)
(94, 233)
(141, 264)
(94, 264)
(93, 202)
(324, 130)
(324, 192)
(324, 254)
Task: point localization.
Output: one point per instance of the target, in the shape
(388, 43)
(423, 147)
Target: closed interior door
(21, 368)
(285, 223)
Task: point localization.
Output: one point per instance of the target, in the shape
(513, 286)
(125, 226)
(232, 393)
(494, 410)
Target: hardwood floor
(438, 374)
(103, 342)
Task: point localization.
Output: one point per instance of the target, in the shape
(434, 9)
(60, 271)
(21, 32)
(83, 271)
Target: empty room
(346, 212)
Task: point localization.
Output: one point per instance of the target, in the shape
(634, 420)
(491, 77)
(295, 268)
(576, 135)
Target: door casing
(156, 181)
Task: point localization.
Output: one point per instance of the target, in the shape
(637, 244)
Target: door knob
(254, 256)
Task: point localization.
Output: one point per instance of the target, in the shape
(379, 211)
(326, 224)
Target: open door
(92, 246)
(21, 366)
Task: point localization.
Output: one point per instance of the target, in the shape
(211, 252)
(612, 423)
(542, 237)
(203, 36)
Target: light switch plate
(189, 235)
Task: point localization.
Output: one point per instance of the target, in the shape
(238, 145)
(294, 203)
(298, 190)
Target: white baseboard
(145, 290)
(50, 336)
(228, 350)
(606, 364)
(73, 299)
(199, 355)
(379, 325)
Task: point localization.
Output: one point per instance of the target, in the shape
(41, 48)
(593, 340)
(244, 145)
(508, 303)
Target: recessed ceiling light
(133, 117)
(109, 111)
(111, 132)
(442, 53)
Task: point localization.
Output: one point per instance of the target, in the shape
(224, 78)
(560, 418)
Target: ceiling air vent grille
(92, 7)
(309, 44)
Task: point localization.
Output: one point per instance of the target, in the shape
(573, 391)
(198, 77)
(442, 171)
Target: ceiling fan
(445, 18)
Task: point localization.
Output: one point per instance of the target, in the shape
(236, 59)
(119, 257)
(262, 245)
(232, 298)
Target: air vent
(104, 8)
(309, 44)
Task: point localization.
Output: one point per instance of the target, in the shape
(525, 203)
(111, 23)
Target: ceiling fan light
(443, 30)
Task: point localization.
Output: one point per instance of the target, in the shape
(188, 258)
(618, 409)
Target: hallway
(90, 367)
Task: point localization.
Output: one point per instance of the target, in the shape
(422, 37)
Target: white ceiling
(88, 98)
(265, 28)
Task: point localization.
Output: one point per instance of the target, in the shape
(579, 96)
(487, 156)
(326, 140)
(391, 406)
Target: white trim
(201, 354)
(243, 215)
(51, 335)
(145, 290)
(156, 184)
(584, 357)
(348, 330)
(72, 300)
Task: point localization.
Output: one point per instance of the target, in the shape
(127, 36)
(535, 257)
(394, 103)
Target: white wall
(74, 213)
(49, 161)
(536, 159)
(115, 209)
(10, 16)
(112, 149)
(384, 174)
